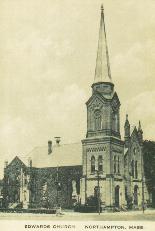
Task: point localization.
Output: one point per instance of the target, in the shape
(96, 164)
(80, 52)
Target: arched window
(136, 172)
(132, 168)
(92, 164)
(97, 118)
(134, 151)
(24, 195)
(126, 193)
(114, 164)
(100, 164)
(116, 122)
(118, 165)
(117, 196)
(113, 121)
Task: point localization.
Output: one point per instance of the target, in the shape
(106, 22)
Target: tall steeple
(103, 106)
(102, 71)
(103, 149)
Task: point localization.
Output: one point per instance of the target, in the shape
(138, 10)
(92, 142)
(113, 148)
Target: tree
(149, 165)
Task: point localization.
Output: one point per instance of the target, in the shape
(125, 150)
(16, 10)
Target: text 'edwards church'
(103, 171)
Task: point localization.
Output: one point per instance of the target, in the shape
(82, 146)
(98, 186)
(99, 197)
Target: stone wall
(41, 187)
(54, 186)
(12, 181)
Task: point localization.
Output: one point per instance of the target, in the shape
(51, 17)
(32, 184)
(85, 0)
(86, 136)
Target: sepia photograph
(77, 114)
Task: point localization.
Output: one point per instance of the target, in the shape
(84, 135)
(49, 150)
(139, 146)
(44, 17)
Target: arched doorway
(96, 194)
(135, 195)
(117, 196)
(153, 198)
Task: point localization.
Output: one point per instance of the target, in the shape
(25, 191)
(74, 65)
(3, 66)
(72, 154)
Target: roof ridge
(55, 145)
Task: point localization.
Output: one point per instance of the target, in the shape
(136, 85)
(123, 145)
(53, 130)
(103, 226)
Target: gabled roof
(18, 161)
(62, 155)
(125, 151)
(115, 96)
(102, 98)
(134, 134)
(96, 95)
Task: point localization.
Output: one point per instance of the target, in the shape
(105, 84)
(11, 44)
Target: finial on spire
(102, 8)
(127, 124)
(140, 133)
(127, 131)
(139, 127)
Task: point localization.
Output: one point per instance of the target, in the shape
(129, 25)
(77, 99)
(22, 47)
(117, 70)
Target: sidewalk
(149, 215)
(146, 212)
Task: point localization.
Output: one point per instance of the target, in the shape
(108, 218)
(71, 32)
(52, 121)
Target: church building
(104, 168)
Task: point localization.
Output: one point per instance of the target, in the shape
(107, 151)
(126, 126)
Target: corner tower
(103, 149)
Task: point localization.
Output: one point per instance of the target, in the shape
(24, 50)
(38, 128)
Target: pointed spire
(127, 121)
(139, 127)
(140, 133)
(127, 127)
(126, 117)
(102, 71)
(127, 132)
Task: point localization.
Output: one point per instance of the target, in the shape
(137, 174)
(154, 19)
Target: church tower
(103, 160)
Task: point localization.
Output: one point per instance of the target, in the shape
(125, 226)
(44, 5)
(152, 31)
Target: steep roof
(62, 155)
(18, 161)
(102, 71)
(125, 151)
(134, 132)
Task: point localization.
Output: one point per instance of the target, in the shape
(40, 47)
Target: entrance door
(153, 198)
(136, 195)
(117, 196)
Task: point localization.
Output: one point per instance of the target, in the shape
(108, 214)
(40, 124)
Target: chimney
(57, 140)
(49, 147)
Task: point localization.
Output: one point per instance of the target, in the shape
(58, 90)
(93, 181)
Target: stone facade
(56, 186)
(111, 165)
(112, 168)
(16, 183)
(103, 150)
(134, 171)
(41, 187)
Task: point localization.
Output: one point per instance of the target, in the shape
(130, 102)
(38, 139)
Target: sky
(47, 65)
